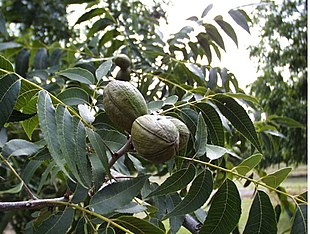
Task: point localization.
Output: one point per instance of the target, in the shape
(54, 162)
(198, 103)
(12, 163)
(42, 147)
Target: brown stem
(32, 204)
(125, 148)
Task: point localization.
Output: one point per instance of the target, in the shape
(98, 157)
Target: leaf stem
(246, 178)
(27, 189)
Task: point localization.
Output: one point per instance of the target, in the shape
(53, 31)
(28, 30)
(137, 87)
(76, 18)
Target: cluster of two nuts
(156, 138)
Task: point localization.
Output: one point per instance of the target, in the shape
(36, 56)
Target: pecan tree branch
(32, 204)
(125, 148)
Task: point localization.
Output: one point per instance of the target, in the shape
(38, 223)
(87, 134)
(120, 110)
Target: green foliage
(282, 85)
(57, 139)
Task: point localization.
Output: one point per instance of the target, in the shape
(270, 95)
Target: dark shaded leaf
(100, 149)
(204, 43)
(18, 116)
(214, 35)
(227, 28)
(285, 121)
(175, 182)
(116, 195)
(138, 226)
(98, 26)
(175, 221)
(240, 19)
(262, 218)
(300, 224)
(238, 117)
(213, 121)
(3, 26)
(90, 14)
(9, 90)
(40, 59)
(58, 223)
(22, 62)
(197, 195)
(212, 82)
(225, 210)
(98, 171)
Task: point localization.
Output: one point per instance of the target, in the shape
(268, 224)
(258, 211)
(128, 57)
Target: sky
(235, 59)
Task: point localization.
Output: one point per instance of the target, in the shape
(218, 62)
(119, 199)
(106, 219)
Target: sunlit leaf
(175, 182)
(275, 179)
(5, 64)
(225, 210)
(197, 195)
(72, 136)
(86, 113)
(201, 136)
(78, 74)
(74, 96)
(19, 147)
(248, 164)
(262, 218)
(103, 69)
(13, 190)
(215, 152)
(116, 195)
(47, 121)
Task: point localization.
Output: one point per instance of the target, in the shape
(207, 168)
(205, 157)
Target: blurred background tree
(282, 64)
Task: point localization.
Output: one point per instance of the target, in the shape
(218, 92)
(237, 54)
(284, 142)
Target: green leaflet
(58, 223)
(248, 164)
(201, 136)
(100, 148)
(47, 121)
(73, 96)
(275, 179)
(197, 195)
(225, 210)
(79, 74)
(103, 69)
(6, 65)
(213, 121)
(238, 117)
(262, 218)
(116, 195)
(19, 147)
(9, 90)
(71, 137)
(138, 226)
(175, 182)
